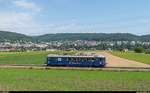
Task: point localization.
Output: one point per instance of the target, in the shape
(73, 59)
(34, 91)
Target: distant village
(70, 45)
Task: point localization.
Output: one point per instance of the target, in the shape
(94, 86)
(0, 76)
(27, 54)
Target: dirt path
(114, 61)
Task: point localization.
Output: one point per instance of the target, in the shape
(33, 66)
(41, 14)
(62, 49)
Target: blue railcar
(67, 60)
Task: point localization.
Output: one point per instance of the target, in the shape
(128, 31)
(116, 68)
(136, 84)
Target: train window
(64, 59)
(59, 59)
(69, 59)
(88, 59)
(53, 59)
(85, 59)
(73, 59)
(96, 59)
(93, 59)
(82, 59)
(78, 59)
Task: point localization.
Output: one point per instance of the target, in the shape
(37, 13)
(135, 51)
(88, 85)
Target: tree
(139, 49)
(147, 51)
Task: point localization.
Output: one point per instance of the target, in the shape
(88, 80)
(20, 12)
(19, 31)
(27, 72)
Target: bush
(139, 49)
(147, 51)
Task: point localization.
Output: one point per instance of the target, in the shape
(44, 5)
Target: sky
(38, 17)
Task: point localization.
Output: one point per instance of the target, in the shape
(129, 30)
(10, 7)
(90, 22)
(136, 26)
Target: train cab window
(102, 59)
(48, 58)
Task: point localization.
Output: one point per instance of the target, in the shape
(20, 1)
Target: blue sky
(37, 17)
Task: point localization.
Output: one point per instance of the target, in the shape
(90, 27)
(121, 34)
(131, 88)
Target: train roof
(53, 55)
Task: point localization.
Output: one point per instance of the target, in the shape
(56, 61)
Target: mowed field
(72, 80)
(140, 57)
(27, 58)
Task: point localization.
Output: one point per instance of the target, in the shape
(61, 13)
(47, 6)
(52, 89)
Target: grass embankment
(38, 58)
(74, 80)
(140, 57)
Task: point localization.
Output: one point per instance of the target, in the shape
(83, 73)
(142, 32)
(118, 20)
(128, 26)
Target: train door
(83, 61)
(69, 61)
(79, 61)
(65, 60)
(89, 61)
(103, 60)
(97, 60)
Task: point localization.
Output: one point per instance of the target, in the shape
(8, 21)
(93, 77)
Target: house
(124, 50)
(51, 50)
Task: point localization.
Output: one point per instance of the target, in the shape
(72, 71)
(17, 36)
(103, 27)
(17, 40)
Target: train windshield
(102, 59)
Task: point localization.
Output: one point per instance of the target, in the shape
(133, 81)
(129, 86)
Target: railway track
(78, 68)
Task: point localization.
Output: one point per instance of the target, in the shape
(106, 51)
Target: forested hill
(89, 36)
(145, 38)
(12, 36)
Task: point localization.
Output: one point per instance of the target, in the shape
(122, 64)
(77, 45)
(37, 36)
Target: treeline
(11, 36)
(92, 37)
(88, 36)
(102, 46)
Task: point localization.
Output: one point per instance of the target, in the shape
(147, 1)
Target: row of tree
(142, 50)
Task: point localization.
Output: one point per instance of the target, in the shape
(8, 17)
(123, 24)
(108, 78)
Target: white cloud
(11, 21)
(22, 22)
(27, 5)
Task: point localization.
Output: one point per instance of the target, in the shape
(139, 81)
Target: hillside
(145, 38)
(89, 36)
(12, 36)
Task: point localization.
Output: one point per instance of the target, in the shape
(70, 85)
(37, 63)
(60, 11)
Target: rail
(78, 68)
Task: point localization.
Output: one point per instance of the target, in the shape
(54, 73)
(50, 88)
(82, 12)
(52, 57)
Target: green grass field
(66, 80)
(141, 57)
(72, 80)
(38, 58)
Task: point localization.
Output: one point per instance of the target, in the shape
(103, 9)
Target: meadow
(35, 58)
(65, 80)
(72, 80)
(140, 57)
